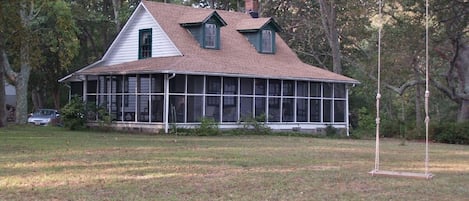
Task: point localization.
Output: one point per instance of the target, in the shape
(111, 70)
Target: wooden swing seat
(385, 173)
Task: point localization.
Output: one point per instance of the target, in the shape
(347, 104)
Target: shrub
(450, 132)
(73, 114)
(207, 127)
(255, 125)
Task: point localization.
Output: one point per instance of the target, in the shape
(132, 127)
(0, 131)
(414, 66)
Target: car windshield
(44, 112)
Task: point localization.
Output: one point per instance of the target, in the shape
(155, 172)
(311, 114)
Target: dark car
(44, 117)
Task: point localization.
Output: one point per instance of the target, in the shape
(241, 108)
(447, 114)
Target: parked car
(44, 117)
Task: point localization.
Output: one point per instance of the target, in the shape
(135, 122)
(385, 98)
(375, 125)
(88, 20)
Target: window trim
(142, 54)
(210, 35)
(267, 41)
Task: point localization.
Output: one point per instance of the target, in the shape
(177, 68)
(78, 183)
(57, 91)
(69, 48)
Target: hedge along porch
(164, 69)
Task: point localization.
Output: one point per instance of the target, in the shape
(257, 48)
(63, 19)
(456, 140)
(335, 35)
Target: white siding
(125, 48)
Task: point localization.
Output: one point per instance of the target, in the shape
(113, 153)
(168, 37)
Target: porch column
(347, 116)
(166, 101)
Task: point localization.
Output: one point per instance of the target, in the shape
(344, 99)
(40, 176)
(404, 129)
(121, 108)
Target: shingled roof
(236, 56)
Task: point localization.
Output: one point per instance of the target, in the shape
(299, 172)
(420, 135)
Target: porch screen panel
(177, 84)
(177, 109)
(315, 89)
(288, 88)
(288, 108)
(143, 114)
(327, 111)
(246, 86)
(315, 110)
(230, 109)
(246, 110)
(116, 108)
(260, 107)
(274, 110)
(302, 89)
(194, 108)
(230, 85)
(157, 83)
(339, 90)
(339, 111)
(302, 110)
(213, 85)
(328, 90)
(212, 107)
(260, 86)
(157, 108)
(144, 84)
(195, 84)
(91, 101)
(274, 88)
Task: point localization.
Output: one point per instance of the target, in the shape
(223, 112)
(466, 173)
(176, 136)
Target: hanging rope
(427, 91)
(378, 93)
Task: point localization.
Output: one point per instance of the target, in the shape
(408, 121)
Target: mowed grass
(44, 163)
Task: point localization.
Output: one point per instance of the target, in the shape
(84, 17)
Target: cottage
(174, 65)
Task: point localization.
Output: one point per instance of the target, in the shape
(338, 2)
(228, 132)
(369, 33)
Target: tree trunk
(116, 7)
(461, 63)
(418, 98)
(329, 22)
(22, 81)
(3, 111)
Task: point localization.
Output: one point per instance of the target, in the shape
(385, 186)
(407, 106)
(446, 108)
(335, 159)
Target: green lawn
(43, 163)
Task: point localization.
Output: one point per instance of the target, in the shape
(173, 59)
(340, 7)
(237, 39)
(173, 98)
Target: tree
(25, 39)
(452, 47)
(329, 23)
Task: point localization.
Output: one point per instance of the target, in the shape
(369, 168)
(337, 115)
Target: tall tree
(59, 45)
(329, 22)
(28, 40)
(452, 46)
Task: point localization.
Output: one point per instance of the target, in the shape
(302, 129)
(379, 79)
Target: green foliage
(451, 132)
(73, 114)
(366, 120)
(207, 127)
(255, 125)
(331, 131)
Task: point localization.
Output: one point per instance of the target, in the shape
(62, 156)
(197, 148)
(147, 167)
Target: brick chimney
(251, 5)
(252, 8)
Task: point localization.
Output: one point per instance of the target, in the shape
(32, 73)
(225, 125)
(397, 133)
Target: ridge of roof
(256, 24)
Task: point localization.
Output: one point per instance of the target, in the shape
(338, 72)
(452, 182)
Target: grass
(46, 163)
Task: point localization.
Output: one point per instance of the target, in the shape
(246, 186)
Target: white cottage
(173, 64)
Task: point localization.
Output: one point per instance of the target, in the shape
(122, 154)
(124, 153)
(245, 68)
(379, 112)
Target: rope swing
(376, 171)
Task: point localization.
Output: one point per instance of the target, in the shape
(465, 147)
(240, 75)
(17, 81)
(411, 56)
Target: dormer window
(210, 35)
(204, 27)
(144, 43)
(260, 32)
(267, 41)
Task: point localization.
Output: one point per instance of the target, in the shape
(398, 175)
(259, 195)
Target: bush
(450, 132)
(207, 127)
(73, 114)
(255, 125)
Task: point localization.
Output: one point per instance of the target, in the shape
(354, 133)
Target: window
(144, 41)
(210, 35)
(267, 41)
